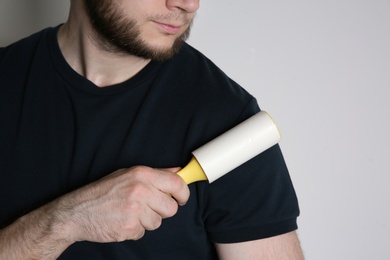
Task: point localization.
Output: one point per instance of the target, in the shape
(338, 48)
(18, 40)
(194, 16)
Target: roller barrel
(238, 145)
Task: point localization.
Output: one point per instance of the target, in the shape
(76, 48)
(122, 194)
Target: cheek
(135, 9)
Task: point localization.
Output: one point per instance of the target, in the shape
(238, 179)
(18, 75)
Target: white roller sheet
(238, 145)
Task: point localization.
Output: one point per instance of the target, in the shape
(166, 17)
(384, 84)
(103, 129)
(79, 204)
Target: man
(96, 112)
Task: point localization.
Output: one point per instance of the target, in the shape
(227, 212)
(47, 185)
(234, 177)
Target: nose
(189, 6)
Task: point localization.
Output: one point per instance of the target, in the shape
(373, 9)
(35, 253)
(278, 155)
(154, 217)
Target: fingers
(151, 201)
(171, 183)
(125, 204)
(164, 181)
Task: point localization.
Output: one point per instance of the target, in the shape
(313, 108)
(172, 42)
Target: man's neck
(86, 57)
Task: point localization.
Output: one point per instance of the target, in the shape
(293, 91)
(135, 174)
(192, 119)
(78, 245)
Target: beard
(121, 35)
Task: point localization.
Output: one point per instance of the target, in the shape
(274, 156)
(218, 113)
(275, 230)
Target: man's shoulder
(20, 58)
(204, 87)
(192, 56)
(197, 67)
(25, 45)
(191, 66)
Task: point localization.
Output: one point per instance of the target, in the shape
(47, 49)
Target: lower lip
(168, 29)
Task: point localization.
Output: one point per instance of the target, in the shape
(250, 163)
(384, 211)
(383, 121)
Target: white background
(322, 70)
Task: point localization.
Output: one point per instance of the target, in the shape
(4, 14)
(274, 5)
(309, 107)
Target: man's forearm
(37, 235)
(118, 207)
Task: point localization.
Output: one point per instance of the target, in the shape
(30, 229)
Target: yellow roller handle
(192, 172)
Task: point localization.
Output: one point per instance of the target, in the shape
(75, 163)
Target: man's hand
(124, 204)
(120, 206)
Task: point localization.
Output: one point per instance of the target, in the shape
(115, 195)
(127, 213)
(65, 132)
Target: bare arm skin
(283, 247)
(118, 207)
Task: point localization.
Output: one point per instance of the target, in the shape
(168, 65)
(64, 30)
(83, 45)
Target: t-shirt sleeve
(256, 200)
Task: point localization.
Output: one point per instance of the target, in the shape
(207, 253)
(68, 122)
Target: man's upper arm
(282, 247)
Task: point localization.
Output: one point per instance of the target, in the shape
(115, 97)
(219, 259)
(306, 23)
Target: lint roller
(231, 149)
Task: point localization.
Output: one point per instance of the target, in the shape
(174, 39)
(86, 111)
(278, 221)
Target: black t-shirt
(59, 132)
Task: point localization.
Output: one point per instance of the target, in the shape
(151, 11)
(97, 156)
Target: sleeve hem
(247, 234)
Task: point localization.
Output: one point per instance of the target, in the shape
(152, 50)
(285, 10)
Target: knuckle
(172, 209)
(156, 223)
(138, 168)
(140, 171)
(176, 183)
(135, 231)
(180, 190)
(139, 234)
(134, 208)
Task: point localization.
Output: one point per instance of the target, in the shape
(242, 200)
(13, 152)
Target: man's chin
(163, 53)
